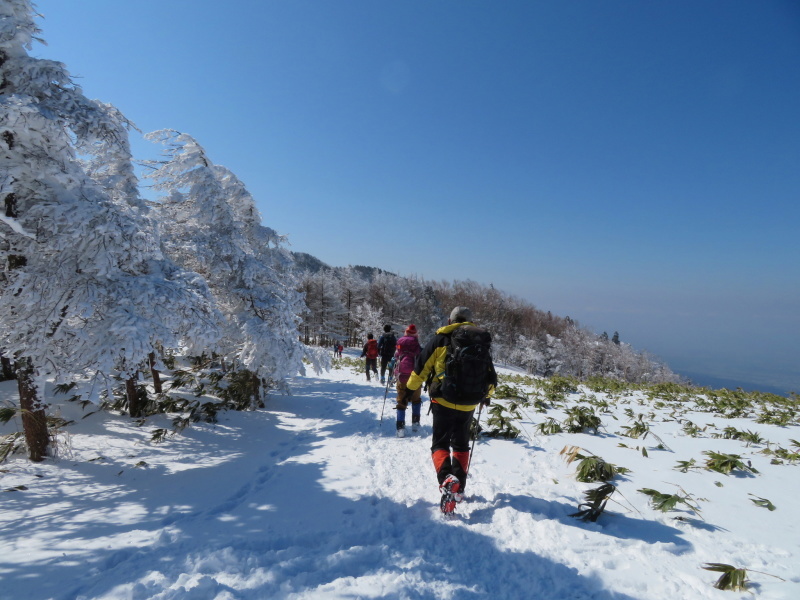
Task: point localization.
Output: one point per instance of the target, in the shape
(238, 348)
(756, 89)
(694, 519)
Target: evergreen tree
(211, 226)
(87, 291)
(275, 303)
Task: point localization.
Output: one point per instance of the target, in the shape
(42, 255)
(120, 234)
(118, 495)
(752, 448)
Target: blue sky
(634, 165)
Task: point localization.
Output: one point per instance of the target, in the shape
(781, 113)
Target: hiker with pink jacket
(408, 348)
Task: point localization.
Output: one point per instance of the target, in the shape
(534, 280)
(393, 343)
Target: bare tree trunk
(134, 407)
(7, 368)
(156, 376)
(34, 418)
(255, 381)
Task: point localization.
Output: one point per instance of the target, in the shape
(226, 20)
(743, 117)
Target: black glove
(408, 395)
(486, 402)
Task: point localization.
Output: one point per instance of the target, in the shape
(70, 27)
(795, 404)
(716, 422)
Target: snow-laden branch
(16, 227)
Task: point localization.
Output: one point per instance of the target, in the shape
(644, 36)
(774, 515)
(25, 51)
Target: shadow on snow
(282, 532)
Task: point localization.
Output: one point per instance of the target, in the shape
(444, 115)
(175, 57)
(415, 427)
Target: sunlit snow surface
(312, 498)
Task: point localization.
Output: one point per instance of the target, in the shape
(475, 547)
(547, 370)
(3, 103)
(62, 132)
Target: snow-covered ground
(313, 498)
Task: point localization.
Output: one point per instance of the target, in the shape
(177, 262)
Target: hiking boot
(383, 380)
(414, 422)
(450, 485)
(450, 494)
(401, 429)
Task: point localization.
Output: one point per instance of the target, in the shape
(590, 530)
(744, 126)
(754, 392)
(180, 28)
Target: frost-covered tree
(87, 292)
(368, 319)
(274, 301)
(425, 311)
(393, 295)
(552, 351)
(525, 353)
(354, 293)
(580, 348)
(325, 315)
(211, 226)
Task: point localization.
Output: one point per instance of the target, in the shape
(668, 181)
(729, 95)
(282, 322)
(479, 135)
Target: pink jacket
(408, 349)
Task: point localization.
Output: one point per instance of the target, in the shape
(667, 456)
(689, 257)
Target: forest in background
(345, 303)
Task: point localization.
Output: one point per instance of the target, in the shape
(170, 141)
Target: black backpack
(468, 366)
(388, 344)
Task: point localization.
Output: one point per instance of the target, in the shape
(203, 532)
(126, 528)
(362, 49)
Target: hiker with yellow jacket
(457, 363)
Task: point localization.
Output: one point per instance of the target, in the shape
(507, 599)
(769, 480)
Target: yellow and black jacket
(431, 363)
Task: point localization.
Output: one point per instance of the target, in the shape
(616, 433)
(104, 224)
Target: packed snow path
(313, 499)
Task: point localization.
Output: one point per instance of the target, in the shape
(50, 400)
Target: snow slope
(312, 498)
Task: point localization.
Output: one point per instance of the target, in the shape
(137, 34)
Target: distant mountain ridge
(308, 262)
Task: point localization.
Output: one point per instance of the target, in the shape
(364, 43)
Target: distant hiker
(462, 377)
(335, 349)
(408, 349)
(386, 347)
(340, 348)
(370, 350)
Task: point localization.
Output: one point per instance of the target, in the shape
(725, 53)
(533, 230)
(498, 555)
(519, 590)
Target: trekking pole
(385, 394)
(527, 416)
(472, 449)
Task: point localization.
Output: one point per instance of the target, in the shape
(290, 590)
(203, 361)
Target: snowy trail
(332, 506)
(312, 499)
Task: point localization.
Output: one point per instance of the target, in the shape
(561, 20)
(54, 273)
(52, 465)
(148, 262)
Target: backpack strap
(448, 352)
